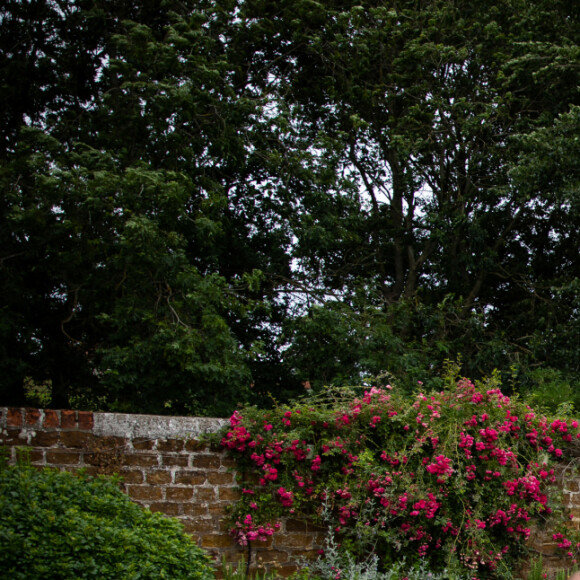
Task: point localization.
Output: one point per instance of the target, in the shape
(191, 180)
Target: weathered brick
(91, 470)
(159, 477)
(170, 444)
(144, 492)
(218, 509)
(68, 419)
(223, 523)
(45, 438)
(75, 439)
(11, 436)
(175, 460)
(178, 493)
(63, 457)
(216, 541)
(205, 493)
(203, 461)
(195, 510)
(132, 475)
(216, 478)
(286, 571)
(189, 477)
(51, 419)
(13, 417)
(36, 456)
(32, 416)
(167, 508)
(200, 526)
(293, 525)
(228, 462)
(229, 493)
(294, 540)
(86, 420)
(142, 460)
(270, 557)
(193, 445)
(144, 444)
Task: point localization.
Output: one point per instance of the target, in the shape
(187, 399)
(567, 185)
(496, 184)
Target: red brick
(68, 420)
(179, 493)
(62, 457)
(32, 416)
(86, 420)
(45, 438)
(144, 492)
(13, 417)
(11, 437)
(51, 420)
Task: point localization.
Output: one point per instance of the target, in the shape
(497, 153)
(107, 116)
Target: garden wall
(167, 468)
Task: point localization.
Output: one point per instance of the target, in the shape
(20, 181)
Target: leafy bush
(58, 525)
(453, 478)
(340, 563)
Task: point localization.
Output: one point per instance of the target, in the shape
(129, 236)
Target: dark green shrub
(59, 525)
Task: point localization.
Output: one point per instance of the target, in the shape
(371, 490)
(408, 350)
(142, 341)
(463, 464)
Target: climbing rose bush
(454, 478)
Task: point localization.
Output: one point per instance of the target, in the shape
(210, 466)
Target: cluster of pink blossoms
(396, 469)
(247, 531)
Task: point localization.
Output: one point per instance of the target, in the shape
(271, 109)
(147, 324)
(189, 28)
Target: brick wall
(165, 467)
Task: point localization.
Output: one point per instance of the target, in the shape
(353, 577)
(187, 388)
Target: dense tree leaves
(210, 201)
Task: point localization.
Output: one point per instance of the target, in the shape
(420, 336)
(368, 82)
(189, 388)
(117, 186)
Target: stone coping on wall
(103, 424)
(154, 426)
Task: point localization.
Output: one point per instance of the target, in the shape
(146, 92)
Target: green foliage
(453, 479)
(199, 197)
(340, 563)
(58, 525)
(537, 572)
(239, 572)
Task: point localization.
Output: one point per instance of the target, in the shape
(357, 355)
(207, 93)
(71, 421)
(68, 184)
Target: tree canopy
(206, 202)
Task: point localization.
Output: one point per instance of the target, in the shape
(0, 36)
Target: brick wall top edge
(154, 426)
(148, 426)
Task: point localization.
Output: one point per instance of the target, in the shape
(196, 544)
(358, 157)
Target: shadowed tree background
(204, 203)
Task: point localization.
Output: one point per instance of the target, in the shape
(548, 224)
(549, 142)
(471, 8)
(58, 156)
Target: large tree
(201, 197)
